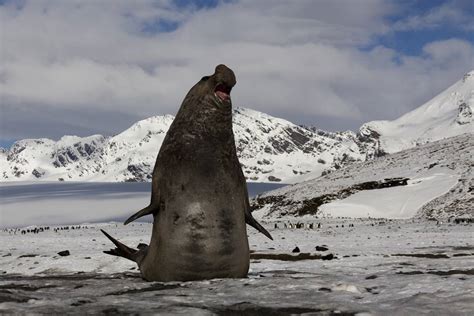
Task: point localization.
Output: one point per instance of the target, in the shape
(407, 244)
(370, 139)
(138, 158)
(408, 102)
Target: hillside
(434, 180)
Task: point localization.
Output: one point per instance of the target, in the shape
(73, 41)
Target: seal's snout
(225, 82)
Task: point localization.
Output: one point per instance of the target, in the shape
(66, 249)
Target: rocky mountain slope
(433, 180)
(270, 150)
(448, 114)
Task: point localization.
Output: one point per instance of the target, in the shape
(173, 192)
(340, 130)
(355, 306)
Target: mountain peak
(448, 114)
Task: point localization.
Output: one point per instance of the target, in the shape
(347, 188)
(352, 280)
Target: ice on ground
(394, 202)
(378, 267)
(56, 203)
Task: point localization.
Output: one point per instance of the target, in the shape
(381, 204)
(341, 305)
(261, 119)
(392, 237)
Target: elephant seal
(199, 198)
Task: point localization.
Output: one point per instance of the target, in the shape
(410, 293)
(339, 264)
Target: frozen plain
(53, 203)
(380, 267)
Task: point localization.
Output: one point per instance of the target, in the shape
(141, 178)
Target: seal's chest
(210, 221)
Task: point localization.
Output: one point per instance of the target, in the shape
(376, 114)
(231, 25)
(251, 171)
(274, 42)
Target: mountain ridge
(270, 149)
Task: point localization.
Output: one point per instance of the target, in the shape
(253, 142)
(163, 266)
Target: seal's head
(223, 80)
(216, 87)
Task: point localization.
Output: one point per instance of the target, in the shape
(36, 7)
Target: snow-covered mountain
(273, 149)
(448, 114)
(433, 180)
(270, 150)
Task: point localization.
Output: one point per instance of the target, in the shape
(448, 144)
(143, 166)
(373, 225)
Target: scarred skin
(199, 196)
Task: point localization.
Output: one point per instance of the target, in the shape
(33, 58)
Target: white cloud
(292, 59)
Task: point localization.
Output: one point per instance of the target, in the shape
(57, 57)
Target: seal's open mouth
(222, 92)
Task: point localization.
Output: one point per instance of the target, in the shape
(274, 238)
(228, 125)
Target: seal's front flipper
(252, 222)
(125, 251)
(248, 213)
(150, 209)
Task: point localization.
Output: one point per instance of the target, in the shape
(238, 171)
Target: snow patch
(396, 202)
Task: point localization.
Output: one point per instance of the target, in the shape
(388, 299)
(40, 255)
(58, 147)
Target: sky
(84, 67)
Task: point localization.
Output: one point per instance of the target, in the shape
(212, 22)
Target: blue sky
(412, 41)
(82, 68)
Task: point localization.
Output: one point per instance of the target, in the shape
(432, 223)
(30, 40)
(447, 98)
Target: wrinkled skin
(199, 196)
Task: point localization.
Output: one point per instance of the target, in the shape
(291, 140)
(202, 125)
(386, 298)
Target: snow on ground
(376, 267)
(380, 267)
(393, 202)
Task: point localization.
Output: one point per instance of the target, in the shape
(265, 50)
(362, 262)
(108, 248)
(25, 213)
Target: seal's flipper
(252, 222)
(248, 213)
(150, 209)
(121, 250)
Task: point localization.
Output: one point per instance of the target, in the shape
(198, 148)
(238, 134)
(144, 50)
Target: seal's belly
(203, 240)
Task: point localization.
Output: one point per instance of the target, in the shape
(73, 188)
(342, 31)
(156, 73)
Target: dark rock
(321, 248)
(423, 255)
(274, 179)
(37, 173)
(32, 255)
(284, 256)
(296, 250)
(64, 253)
(440, 273)
(328, 257)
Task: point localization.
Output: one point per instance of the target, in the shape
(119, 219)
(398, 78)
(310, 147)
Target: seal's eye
(205, 78)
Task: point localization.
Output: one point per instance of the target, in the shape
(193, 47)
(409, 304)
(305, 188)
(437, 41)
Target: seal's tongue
(223, 92)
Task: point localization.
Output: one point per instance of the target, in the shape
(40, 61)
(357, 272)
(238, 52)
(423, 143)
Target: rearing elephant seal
(199, 198)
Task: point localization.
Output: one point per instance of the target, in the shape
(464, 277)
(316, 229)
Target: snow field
(374, 271)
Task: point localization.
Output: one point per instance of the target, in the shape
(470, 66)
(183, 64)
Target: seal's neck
(206, 117)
